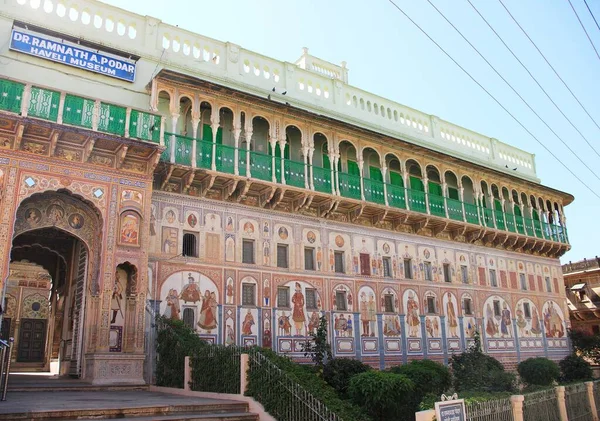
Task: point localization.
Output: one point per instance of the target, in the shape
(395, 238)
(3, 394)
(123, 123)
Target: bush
(382, 394)
(338, 372)
(574, 368)
(476, 372)
(538, 371)
(469, 397)
(428, 376)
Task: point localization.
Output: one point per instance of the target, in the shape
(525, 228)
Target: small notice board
(453, 410)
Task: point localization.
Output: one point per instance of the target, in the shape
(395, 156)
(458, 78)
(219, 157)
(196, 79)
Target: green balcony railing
(396, 197)
(349, 185)
(416, 200)
(294, 173)
(454, 209)
(436, 205)
(510, 222)
(183, 149)
(471, 212)
(520, 224)
(44, 103)
(322, 179)
(166, 155)
(78, 111)
(261, 166)
(374, 191)
(143, 126)
(538, 228)
(529, 227)
(112, 119)
(11, 95)
(242, 162)
(488, 217)
(499, 220)
(203, 154)
(225, 158)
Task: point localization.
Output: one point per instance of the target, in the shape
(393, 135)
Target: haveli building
(582, 287)
(146, 169)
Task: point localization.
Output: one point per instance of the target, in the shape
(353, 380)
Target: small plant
(574, 368)
(538, 371)
(382, 394)
(339, 371)
(317, 347)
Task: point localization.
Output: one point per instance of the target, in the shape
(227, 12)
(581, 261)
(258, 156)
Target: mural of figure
(313, 322)
(349, 326)
(372, 310)
(436, 327)
(412, 315)
(229, 292)
(553, 322)
(331, 260)
(285, 328)
(267, 335)
(536, 329)
(355, 263)
(505, 321)
(266, 253)
(319, 257)
(340, 325)
(470, 327)
(364, 314)
(391, 326)
(116, 304)
(266, 292)
(521, 322)
(230, 336)
(208, 312)
(298, 315)
(248, 323)
(172, 311)
(266, 229)
(429, 327)
(451, 314)
(229, 226)
(191, 291)
(230, 249)
(490, 328)
(153, 222)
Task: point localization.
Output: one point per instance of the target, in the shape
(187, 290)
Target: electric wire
(584, 30)
(513, 89)
(534, 79)
(493, 98)
(593, 17)
(550, 65)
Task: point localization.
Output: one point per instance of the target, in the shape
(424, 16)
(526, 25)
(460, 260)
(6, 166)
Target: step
(229, 416)
(154, 412)
(73, 388)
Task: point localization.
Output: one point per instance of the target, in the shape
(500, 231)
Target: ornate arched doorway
(54, 267)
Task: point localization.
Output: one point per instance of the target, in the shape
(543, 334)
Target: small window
(447, 273)
(408, 274)
(248, 251)
(190, 248)
(467, 306)
(464, 274)
(309, 258)
(527, 310)
(428, 275)
(339, 261)
(248, 294)
(388, 300)
(283, 297)
(431, 305)
(387, 267)
(523, 281)
(188, 317)
(548, 285)
(340, 300)
(311, 298)
(282, 255)
(496, 308)
(493, 280)
(365, 264)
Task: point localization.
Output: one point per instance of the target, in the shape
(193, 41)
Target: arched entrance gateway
(54, 264)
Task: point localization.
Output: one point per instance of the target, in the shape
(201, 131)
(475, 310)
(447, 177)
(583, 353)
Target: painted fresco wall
(382, 320)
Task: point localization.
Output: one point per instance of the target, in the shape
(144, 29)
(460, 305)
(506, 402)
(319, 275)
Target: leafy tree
(318, 347)
(382, 394)
(339, 371)
(586, 345)
(538, 371)
(575, 368)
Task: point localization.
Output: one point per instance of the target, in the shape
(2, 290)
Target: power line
(550, 65)
(493, 98)
(534, 79)
(593, 17)
(513, 89)
(584, 30)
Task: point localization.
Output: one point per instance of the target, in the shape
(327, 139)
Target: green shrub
(469, 397)
(338, 372)
(428, 376)
(474, 371)
(382, 394)
(538, 371)
(574, 368)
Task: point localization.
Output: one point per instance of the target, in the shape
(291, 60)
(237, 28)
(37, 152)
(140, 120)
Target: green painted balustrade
(488, 217)
(112, 119)
(183, 149)
(11, 95)
(396, 197)
(144, 126)
(322, 179)
(374, 191)
(472, 213)
(225, 158)
(44, 104)
(416, 200)
(166, 155)
(294, 173)
(436, 205)
(203, 154)
(242, 162)
(538, 228)
(78, 111)
(499, 220)
(520, 224)
(510, 222)
(261, 166)
(454, 209)
(529, 226)
(349, 185)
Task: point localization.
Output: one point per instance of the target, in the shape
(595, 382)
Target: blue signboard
(71, 54)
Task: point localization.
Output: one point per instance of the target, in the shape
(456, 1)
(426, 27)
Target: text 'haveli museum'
(145, 169)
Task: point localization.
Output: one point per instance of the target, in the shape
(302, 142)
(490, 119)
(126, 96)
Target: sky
(387, 55)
